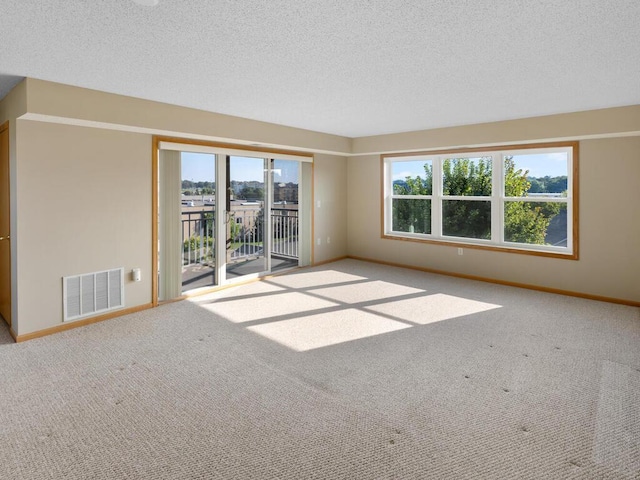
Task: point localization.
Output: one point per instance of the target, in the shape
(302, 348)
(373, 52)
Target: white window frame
(497, 198)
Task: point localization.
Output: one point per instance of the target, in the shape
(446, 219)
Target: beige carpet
(346, 371)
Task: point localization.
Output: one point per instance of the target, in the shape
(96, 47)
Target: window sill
(478, 246)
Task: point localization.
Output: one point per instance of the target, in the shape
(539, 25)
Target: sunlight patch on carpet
(317, 331)
(432, 308)
(307, 279)
(375, 290)
(280, 303)
(239, 291)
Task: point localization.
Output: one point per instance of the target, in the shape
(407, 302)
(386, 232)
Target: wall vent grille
(92, 293)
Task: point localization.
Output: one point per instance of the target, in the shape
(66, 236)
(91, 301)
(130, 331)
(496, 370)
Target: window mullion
(497, 196)
(436, 202)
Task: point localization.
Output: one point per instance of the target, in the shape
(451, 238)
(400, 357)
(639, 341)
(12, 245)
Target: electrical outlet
(319, 241)
(460, 251)
(136, 275)
(328, 239)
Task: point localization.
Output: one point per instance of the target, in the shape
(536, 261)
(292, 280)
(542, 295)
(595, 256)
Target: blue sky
(539, 165)
(200, 167)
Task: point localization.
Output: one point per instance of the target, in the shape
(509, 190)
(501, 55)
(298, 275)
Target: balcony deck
(245, 250)
(200, 275)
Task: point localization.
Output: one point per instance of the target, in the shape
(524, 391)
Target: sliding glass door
(284, 214)
(197, 220)
(227, 215)
(246, 203)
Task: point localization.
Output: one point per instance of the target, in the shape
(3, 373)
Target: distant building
(285, 192)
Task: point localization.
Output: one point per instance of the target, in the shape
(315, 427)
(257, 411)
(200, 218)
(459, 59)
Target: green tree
(257, 229)
(548, 184)
(413, 215)
(524, 222)
(251, 193)
(469, 178)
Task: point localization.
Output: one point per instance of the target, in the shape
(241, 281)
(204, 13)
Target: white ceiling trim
(480, 146)
(37, 117)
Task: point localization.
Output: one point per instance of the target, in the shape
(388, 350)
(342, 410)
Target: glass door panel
(246, 228)
(284, 214)
(197, 222)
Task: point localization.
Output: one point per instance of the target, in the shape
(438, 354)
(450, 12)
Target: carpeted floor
(345, 371)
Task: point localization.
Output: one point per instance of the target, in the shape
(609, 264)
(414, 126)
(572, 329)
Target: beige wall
(330, 219)
(567, 126)
(11, 107)
(609, 229)
(116, 111)
(14, 104)
(84, 205)
(83, 193)
(81, 196)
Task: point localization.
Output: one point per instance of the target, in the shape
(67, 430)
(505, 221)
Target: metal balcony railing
(284, 228)
(198, 241)
(245, 235)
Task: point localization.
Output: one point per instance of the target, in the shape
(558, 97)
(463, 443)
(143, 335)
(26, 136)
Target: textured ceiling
(349, 67)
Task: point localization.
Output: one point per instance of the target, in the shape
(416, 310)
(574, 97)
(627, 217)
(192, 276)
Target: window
(518, 199)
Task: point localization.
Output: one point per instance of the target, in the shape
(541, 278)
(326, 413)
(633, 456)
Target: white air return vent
(92, 293)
